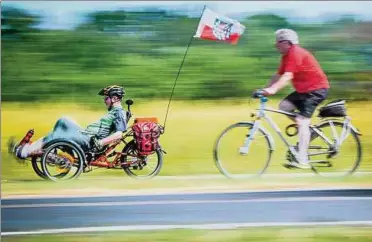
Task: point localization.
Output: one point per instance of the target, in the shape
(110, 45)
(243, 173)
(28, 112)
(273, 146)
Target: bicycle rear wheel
(335, 162)
(139, 166)
(231, 163)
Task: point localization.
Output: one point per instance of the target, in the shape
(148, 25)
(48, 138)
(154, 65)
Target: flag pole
(179, 69)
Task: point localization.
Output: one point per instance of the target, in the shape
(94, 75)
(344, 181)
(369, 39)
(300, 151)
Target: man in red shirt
(310, 84)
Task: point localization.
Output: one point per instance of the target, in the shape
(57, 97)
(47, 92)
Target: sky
(67, 14)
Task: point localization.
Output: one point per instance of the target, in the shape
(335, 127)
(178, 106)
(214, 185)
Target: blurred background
(68, 50)
(56, 56)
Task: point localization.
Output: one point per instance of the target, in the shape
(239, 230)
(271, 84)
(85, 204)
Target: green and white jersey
(115, 120)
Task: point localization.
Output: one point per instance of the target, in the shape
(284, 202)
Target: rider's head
(112, 95)
(285, 38)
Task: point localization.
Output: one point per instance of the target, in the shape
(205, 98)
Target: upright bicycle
(245, 148)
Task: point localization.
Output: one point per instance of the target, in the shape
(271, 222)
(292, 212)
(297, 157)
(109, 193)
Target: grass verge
(312, 234)
(127, 186)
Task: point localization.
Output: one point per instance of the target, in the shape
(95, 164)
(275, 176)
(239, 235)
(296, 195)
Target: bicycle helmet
(112, 90)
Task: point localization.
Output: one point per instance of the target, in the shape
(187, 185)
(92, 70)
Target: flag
(213, 26)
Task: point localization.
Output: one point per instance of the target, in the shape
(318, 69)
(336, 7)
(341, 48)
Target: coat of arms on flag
(213, 26)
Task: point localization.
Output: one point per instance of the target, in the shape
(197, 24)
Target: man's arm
(279, 84)
(109, 139)
(274, 79)
(120, 124)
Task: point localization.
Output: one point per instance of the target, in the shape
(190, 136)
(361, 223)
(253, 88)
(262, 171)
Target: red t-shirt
(307, 73)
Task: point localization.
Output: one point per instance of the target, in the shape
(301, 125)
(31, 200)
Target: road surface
(50, 215)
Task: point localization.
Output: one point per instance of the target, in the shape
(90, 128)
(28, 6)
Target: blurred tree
(344, 20)
(124, 22)
(107, 21)
(142, 50)
(268, 20)
(16, 21)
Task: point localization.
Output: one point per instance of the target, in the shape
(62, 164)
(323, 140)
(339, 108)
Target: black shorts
(306, 103)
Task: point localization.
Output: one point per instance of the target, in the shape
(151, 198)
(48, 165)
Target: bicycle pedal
(319, 161)
(88, 169)
(289, 166)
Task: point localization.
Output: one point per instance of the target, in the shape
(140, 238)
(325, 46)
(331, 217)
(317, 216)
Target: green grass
(312, 234)
(191, 131)
(91, 184)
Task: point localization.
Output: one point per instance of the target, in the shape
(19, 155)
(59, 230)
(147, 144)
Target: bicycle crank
(321, 163)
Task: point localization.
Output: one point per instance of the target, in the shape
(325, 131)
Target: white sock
(304, 138)
(29, 149)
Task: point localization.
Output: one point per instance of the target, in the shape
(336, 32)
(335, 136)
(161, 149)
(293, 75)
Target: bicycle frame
(338, 140)
(102, 160)
(261, 114)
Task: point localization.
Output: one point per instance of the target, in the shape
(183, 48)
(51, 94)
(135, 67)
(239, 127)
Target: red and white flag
(213, 26)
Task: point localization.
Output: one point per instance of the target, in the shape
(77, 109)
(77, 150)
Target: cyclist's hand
(96, 143)
(269, 91)
(259, 93)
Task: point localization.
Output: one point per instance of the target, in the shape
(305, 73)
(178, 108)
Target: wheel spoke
(143, 166)
(62, 161)
(345, 159)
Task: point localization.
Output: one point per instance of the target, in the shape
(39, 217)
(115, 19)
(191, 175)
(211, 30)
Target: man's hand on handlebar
(95, 143)
(259, 93)
(264, 92)
(269, 91)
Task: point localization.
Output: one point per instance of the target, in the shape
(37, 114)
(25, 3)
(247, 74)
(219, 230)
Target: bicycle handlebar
(260, 94)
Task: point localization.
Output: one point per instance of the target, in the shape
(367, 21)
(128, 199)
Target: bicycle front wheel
(37, 167)
(231, 163)
(331, 160)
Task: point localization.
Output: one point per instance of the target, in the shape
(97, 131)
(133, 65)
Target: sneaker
(289, 156)
(14, 148)
(12, 145)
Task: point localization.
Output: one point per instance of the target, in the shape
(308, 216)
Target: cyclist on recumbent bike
(96, 135)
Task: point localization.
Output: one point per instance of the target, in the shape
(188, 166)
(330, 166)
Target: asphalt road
(187, 209)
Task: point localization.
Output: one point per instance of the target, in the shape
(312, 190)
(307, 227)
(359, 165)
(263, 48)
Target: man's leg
(61, 129)
(66, 124)
(304, 140)
(288, 104)
(28, 149)
(307, 105)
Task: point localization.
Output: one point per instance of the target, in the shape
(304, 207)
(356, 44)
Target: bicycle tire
(71, 145)
(353, 134)
(38, 170)
(131, 147)
(217, 155)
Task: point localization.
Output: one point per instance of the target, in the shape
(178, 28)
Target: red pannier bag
(146, 133)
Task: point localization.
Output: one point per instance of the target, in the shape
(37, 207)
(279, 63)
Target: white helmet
(287, 34)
